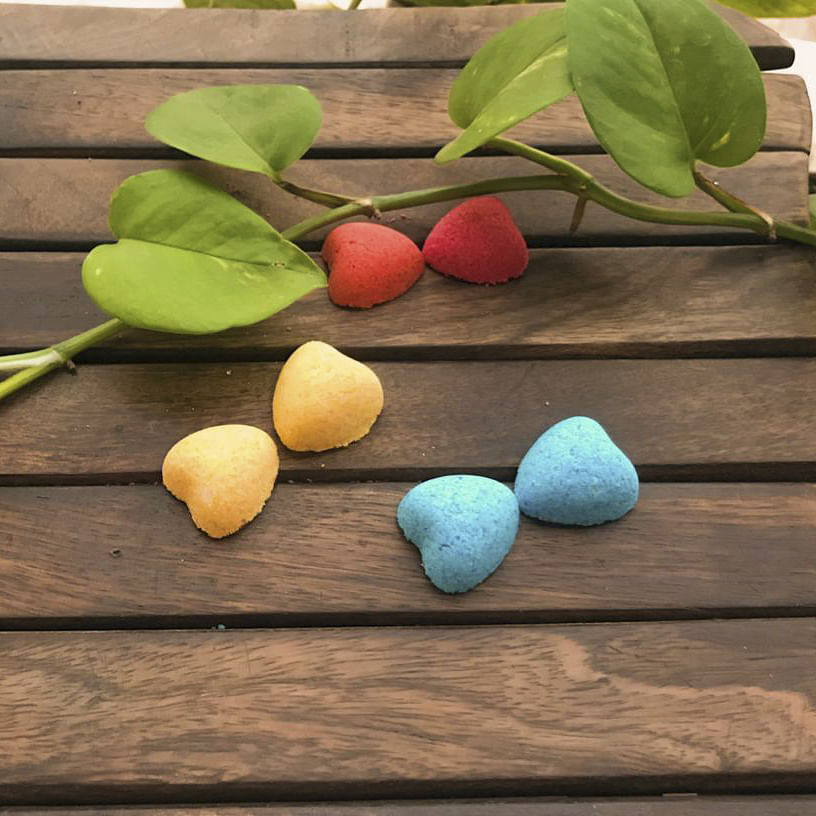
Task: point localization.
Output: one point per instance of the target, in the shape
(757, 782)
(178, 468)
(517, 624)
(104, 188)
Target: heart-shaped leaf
(773, 8)
(263, 4)
(193, 260)
(262, 128)
(663, 84)
(515, 74)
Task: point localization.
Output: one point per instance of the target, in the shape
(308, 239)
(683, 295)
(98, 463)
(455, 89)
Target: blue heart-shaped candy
(575, 474)
(464, 526)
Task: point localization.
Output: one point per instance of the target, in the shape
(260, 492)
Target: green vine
(184, 248)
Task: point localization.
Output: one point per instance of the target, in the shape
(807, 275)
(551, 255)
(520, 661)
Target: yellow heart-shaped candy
(224, 474)
(324, 399)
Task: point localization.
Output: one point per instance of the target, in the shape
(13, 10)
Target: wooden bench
(669, 657)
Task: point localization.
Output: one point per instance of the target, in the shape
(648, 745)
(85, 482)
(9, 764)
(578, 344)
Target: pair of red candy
(476, 242)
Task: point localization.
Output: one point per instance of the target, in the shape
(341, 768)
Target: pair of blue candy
(464, 526)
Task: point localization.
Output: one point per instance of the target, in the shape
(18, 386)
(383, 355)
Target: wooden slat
(372, 110)
(638, 302)
(764, 40)
(428, 711)
(725, 419)
(35, 36)
(66, 200)
(681, 805)
(333, 553)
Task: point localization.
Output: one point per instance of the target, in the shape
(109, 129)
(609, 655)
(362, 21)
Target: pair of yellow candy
(225, 474)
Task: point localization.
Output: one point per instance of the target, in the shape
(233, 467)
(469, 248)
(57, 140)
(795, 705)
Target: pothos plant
(756, 8)
(665, 85)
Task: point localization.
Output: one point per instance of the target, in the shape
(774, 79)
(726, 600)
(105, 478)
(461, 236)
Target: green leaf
(773, 8)
(446, 3)
(514, 75)
(262, 128)
(428, 3)
(665, 83)
(261, 4)
(191, 259)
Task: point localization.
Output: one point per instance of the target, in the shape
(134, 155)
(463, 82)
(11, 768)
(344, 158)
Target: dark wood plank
(406, 710)
(35, 36)
(765, 42)
(333, 553)
(66, 200)
(723, 419)
(365, 110)
(681, 805)
(633, 302)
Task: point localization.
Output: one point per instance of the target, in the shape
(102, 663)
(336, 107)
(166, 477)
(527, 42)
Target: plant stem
(558, 165)
(732, 202)
(73, 345)
(397, 201)
(30, 359)
(36, 364)
(24, 377)
(578, 214)
(742, 215)
(586, 188)
(353, 5)
(318, 196)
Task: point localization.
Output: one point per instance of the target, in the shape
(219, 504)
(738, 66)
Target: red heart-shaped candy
(477, 242)
(370, 264)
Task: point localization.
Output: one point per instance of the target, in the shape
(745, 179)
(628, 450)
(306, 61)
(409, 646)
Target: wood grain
(722, 419)
(401, 710)
(388, 710)
(633, 302)
(66, 36)
(372, 111)
(681, 805)
(333, 554)
(66, 200)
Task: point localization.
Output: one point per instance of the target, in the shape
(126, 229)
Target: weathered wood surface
(385, 710)
(640, 302)
(332, 554)
(723, 419)
(376, 111)
(381, 36)
(405, 710)
(66, 200)
(679, 805)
